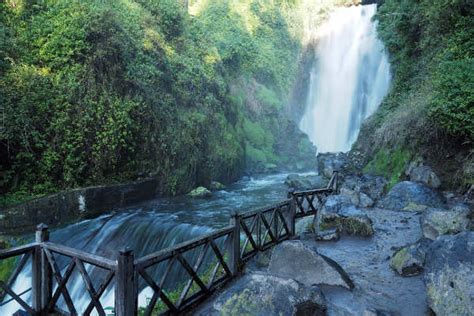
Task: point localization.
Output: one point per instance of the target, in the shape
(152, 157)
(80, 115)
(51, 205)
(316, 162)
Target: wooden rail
(204, 264)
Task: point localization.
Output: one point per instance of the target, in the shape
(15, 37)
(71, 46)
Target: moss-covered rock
(200, 192)
(449, 275)
(217, 186)
(411, 196)
(409, 260)
(347, 219)
(436, 222)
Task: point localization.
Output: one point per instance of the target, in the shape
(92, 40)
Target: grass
(390, 164)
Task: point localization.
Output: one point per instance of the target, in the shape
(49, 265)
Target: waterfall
(350, 77)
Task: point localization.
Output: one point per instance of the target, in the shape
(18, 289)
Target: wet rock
(348, 219)
(217, 186)
(200, 192)
(334, 203)
(372, 186)
(411, 196)
(436, 222)
(262, 294)
(409, 260)
(351, 194)
(365, 200)
(310, 267)
(330, 162)
(357, 198)
(300, 182)
(327, 235)
(270, 167)
(449, 275)
(420, 173)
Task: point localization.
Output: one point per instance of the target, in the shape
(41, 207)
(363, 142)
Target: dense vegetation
(430, 109)
(105, 91)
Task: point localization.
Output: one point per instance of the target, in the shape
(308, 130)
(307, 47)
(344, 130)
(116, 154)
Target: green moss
(6, 268)
(244, 304)
(390, 164)
(399, 259)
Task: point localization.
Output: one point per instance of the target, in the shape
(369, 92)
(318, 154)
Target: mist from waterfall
(350, 77)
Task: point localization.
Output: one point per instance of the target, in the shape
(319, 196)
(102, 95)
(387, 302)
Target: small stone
(328, 235)
(365, 200)
(217, 186)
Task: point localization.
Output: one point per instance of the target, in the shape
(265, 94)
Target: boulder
(424, 174)
(449, 274)
(335, 202)
(217, 186)
(372, 186)
(267, 295)
(409, 260)
(436, 222)
(307, 182)
(310, 268)
(357, 198)
(330, 162)
(346, 218)
(411, 196)
(200, 192)
(365, 200)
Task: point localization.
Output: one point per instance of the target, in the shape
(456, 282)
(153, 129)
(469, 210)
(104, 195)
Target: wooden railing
(204, 264)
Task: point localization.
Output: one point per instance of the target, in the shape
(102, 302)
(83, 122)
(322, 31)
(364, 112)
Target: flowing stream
(152, 226)
(351, 75)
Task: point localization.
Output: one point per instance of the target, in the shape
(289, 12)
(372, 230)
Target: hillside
(429, 113)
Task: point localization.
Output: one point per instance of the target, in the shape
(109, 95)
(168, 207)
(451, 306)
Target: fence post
(292, 213)
(41, 273)
(234, 245)
(126, 286)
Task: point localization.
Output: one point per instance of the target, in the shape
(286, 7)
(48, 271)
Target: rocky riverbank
(408, 251)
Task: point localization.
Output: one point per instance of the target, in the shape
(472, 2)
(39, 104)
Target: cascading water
(150, 227)
(350, 78)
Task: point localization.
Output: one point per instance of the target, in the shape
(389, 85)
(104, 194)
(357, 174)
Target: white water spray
(350, 78)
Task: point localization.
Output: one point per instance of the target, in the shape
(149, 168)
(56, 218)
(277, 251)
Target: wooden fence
(206, 263)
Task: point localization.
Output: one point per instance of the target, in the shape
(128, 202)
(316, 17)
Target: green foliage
(453, 100)
(108, 91)
(390, 164)
(433, 41)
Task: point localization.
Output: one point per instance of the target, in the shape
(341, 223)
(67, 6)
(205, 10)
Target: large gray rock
(357, 198)
(372, 186)
(335, 202)
(299, 182)
(292, 259)
(436, 222)
(330, 162)
(266, 295)
(449, 275)
(411, 196)
(424, 174)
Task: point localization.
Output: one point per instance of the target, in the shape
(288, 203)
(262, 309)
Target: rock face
(345, 217)
(424, 174)
(436, 222)
(200, 192)
(449, 276)
(330, 162)
(299, 182)
(292, 259)
(411, 196)
(409, 260)
(266, 295)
